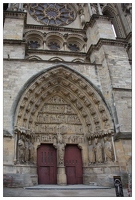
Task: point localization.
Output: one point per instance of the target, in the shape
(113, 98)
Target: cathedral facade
(67, 93)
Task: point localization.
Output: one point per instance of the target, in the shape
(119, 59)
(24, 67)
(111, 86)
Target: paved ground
(21, 192)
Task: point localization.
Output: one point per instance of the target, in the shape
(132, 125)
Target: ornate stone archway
(60, 107)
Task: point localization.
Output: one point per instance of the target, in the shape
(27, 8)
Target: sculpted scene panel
(57, 116)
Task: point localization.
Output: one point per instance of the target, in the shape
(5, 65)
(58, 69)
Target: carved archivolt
(60, 107)
(61, 101)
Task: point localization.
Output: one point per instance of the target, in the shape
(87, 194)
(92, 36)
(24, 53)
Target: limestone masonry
(67, 93)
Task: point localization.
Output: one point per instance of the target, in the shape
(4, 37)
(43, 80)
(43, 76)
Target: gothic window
(73, 47)
(57, 14)
(33, 44)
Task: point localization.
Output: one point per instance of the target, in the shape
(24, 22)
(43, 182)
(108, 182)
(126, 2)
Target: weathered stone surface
(80, 95)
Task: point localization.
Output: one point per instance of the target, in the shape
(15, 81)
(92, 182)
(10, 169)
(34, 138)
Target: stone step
(93, 183)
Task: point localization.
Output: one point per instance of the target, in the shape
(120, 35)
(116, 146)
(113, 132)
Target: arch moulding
(60, 101)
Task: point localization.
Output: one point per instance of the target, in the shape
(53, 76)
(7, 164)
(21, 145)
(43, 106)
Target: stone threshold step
(65, 187)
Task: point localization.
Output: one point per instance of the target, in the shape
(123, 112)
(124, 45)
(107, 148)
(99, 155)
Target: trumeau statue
(60, 149)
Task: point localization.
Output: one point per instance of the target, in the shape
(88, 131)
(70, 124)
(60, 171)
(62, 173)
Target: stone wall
(13, 28)
(17, 73)
(8, 150)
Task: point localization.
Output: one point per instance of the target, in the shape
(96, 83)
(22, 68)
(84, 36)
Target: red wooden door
(73, 164)
(47, 164)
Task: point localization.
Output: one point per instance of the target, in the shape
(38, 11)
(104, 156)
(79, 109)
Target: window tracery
(54, 45)
(73, 47)
(57, 14)
(33, 44)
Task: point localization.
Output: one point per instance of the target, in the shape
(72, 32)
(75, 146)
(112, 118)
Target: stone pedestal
(61, 176)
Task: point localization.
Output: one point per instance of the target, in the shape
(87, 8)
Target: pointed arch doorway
(61, 101)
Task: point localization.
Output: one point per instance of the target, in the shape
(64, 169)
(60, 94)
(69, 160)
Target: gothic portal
(67, 93)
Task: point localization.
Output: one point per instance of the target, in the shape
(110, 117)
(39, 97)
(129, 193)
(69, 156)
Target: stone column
(84, 149)
(89, 8)
(9, 6)
(61, 176)
(99, 9)
(20, 6)
(115, 159)
(61, 173)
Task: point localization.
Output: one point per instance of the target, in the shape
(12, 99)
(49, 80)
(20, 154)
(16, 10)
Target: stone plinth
(61, 176)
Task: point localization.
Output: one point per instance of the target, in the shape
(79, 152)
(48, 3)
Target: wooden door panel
(71, 176)
(44, 177)
(47, 164)
(73, 164)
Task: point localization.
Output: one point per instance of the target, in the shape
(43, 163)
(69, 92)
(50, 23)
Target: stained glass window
(57, 14)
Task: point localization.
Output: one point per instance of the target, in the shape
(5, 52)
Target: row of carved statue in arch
(100, 149)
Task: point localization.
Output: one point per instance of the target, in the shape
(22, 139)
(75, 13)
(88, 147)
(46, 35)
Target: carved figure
(108, 150)
(93, 9)
(60, 150)
(98, 150)
(91, 153)
(21, 149)
(15, 6)
(31, 152)
(26, 155)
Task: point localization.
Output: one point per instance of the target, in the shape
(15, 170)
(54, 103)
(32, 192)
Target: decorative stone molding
(102, 41)
(70, 89)
(15, 15)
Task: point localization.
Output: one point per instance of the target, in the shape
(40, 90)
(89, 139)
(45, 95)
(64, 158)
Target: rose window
(56, 14)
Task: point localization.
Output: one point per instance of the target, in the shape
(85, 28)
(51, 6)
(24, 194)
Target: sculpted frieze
(56, 128)
(51, 138)
(56, 100)
(52, 108)
(57, 118)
